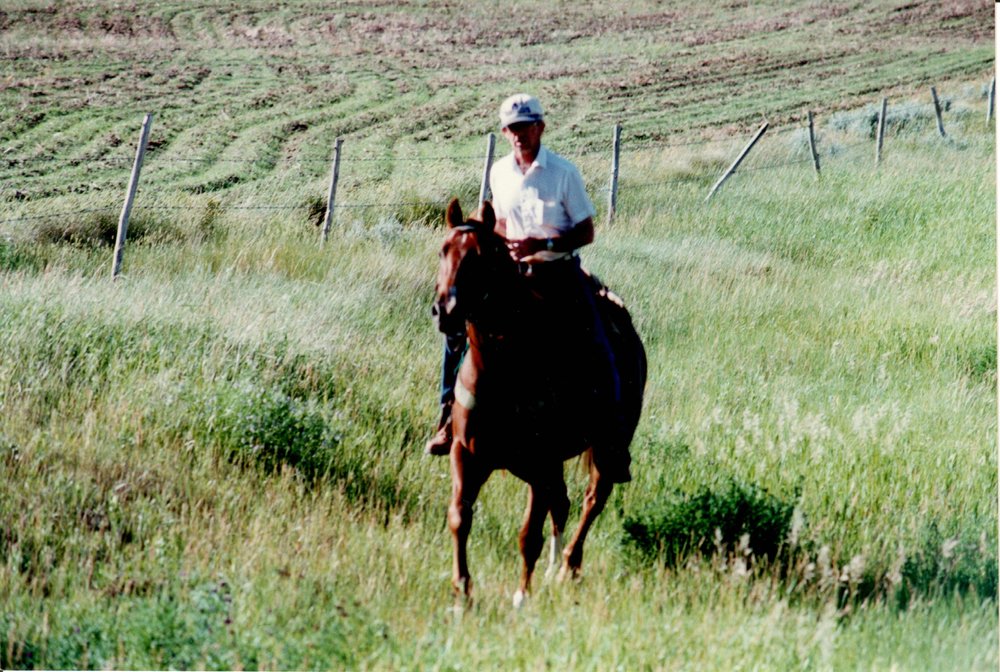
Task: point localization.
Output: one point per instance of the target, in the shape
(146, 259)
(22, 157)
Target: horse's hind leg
(531, 538)
(466, 481)
(594, 499)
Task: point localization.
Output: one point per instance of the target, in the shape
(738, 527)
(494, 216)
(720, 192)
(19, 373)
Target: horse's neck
(505, 314)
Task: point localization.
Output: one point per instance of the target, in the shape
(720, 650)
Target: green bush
(421, 211)
(962, 563)
(980, 363)
(899, 118)
(14, 257)
(710, 522)
(208, 227)
(196, 623)
(100, 229)
(266, 428)
(315, 209)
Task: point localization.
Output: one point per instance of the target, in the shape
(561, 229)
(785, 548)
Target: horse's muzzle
(445, 315)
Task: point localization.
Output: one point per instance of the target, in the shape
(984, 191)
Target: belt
(543, 267)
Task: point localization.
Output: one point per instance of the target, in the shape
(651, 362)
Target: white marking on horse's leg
(520, 597)
(457, 610)
(555, 555)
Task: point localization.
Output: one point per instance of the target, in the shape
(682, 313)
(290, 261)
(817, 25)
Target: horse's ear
(454, 217)
(487, 216)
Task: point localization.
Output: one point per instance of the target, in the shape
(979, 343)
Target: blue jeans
(454, 351)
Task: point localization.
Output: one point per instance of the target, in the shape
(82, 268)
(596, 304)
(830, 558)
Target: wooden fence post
(613, 185)
(332, 193)
(133, 185)
(881, 132)
(812, 144)
(992, 100)
(937, 111)
(484, 186)
(739, 159)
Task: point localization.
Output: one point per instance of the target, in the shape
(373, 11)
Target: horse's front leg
(559, 508)
(466, 481)
(532, 538)
(594, 499)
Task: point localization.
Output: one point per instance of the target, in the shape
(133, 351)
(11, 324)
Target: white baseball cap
(518, 108)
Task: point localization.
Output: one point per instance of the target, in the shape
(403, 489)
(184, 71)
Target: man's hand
(581, 233)
(519, 249)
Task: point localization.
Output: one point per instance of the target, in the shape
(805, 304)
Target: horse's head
(467, 258)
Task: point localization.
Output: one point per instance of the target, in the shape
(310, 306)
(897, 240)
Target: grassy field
(215, 462)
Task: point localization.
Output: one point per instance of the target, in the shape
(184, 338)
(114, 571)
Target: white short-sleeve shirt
(543, 202)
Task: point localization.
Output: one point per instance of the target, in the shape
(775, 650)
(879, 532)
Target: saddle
(568, 372)
(558, 377)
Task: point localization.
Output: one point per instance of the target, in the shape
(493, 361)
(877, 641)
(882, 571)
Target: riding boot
(440, 444)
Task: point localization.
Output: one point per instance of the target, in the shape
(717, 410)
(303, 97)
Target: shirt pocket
(536, 210)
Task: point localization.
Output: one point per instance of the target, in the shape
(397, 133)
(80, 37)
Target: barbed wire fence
(804, 153)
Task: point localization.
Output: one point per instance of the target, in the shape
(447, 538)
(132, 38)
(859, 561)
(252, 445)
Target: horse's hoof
(567, 573)
(520, 597)
(463, 591)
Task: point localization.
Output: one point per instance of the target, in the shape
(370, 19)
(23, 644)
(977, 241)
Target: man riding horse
(545, 216)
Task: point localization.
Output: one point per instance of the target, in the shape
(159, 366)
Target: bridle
(476, 282)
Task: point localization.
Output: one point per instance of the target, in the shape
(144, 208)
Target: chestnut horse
(520, 396)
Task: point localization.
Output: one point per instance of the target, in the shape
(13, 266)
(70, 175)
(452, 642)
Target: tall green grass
(216, 460)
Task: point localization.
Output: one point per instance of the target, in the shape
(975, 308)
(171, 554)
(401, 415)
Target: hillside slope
(249, 97)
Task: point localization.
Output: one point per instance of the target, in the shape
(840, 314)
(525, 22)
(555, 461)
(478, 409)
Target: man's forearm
(582, 233)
